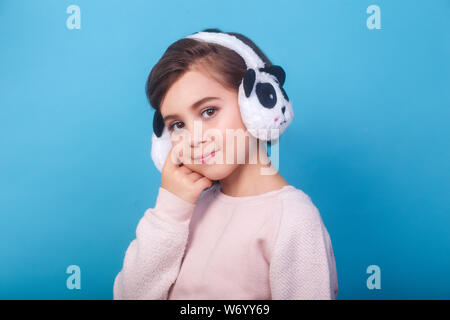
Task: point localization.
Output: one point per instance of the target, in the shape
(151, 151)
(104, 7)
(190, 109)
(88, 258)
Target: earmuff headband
(252, 60)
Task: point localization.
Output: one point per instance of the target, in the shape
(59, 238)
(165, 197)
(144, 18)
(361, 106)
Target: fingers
(194, 176)
(172, 161)
(173, 164)
(184, 169)
(203, 183)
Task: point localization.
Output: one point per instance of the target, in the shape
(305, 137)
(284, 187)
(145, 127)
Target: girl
(220, 229)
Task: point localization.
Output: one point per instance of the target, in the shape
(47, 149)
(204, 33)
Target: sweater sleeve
(152, 260)
(302, 265)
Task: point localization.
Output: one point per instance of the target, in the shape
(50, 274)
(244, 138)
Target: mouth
(206, 157)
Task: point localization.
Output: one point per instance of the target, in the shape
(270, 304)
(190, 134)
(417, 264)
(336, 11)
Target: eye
(209, 113)
(175, 125)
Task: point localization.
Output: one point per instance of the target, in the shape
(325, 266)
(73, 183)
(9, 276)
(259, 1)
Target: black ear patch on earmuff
(277, 71)
(249, 81)
(284, 94)
(158, 123)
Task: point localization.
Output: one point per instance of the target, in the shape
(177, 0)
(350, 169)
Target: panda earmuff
(264, 105)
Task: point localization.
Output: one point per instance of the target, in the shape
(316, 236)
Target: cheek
(231, 123)
(234, 120)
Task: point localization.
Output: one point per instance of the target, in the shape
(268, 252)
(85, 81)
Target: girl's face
(197, 101)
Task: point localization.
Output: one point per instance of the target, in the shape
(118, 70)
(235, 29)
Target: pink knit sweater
(269, 246)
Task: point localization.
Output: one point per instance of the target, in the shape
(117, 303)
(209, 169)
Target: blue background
(369, 143)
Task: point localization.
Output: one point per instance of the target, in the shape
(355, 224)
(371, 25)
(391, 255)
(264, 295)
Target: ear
(278, 72)
(249, 81)
(158, 123)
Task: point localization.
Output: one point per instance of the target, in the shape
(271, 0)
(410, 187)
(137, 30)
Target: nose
(196, 140)
(283, 109)
(196, 135)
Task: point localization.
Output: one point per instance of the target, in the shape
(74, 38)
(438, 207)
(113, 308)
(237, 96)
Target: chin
(213, 171)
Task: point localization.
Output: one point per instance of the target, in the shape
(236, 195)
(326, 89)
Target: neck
(247, 180)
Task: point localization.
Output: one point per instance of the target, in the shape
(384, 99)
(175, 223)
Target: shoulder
(298, 206)
(298, 218)
(300, 222)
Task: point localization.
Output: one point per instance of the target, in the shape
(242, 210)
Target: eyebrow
(193, 107)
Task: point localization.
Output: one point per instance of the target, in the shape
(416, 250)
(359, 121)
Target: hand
(182, 181)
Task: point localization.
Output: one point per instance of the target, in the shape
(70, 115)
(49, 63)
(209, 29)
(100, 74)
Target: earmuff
(265, 108)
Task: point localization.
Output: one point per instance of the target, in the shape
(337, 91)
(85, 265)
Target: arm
(152, 260)
(302, 262)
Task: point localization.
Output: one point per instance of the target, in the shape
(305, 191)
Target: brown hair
(223, 64)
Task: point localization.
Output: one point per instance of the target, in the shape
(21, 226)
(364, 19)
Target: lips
(209, 156)
(205, 157)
